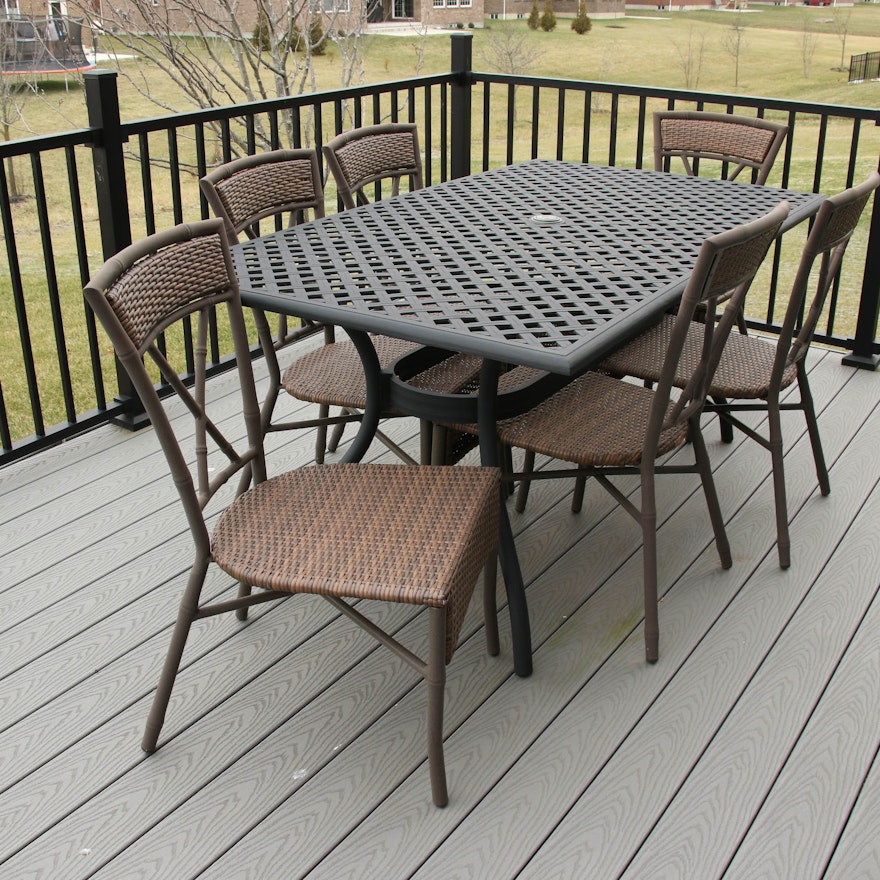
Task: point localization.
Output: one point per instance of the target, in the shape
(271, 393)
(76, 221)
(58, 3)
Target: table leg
(513, 581)
(373, 374)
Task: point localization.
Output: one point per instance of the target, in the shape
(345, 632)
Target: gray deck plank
(857, 855)
(422, 826)
(799, 822)
(551, 777)
(296, 746)
(700, 831)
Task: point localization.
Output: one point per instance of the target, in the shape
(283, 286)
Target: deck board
(294, 746)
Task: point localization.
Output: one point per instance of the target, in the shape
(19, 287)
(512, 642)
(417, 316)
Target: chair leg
(723, 424)
(704, 466)
(244, 590)
(321, 437)
(783, 540)
(649, 567)
(426, 432)
(490, 606)
(185, 616)
(336, 434)
(439, 439)
(435, 676)
(813, 429)
(522, 495)
(577, 497)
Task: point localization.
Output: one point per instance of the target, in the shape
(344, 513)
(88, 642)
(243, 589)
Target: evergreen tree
(262, 36)
(548, 18)
(581, 23)
(534, 17)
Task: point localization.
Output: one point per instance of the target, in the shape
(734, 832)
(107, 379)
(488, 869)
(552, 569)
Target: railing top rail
(868, 113)
(212, 114)
(44, 142)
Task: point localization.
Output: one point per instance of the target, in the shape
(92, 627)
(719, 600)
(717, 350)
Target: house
(504, 9)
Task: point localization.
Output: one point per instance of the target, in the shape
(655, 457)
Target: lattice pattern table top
(546, 264)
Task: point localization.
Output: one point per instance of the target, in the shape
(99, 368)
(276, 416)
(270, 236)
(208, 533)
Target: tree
(221, 52)
(841, 18)
(581, 23)
(734, 43)
(548, 17)
(808, 47)
(508, 50)
(534, 21)
(690, 57)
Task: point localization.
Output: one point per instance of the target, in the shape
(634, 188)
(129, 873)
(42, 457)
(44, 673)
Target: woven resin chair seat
(744, 370)
(285, 534)
(333, 374)
(752, 372)
(608, 427)
(595, 421)
(392, 533)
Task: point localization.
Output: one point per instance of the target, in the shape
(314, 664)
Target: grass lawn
(789, 52)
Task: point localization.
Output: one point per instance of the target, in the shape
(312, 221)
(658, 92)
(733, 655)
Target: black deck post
(460, 134)
(863, 354)
(102, 102)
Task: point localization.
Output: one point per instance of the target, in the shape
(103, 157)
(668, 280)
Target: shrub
(534, 17)
(581, 23)
(548, 18)
(262, 35)
(317, 40)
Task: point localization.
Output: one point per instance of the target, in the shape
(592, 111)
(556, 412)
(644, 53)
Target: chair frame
(187, 272)
(741, 141)
(726, 264)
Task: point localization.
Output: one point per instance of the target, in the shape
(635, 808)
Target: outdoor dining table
(543, 264)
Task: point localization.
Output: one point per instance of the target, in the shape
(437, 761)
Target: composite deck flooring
(294, 744)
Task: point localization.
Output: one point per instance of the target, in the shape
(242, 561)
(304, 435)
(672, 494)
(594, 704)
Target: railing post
(102, 102)
(863, 354)
(460, 122)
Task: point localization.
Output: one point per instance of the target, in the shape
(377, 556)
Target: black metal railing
(114, 182)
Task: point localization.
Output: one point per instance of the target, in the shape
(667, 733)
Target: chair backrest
(246, 190)
(832, 230)
(143, 292)
(741, 141)
(372, 154)
(726, 265)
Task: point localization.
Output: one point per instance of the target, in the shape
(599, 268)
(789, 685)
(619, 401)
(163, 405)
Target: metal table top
(546, 264)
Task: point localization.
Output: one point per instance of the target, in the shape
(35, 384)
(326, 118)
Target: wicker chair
(755, 372)
(370, 155)
(253, 188)
(741, 141)
(607, 426)
(416, 535)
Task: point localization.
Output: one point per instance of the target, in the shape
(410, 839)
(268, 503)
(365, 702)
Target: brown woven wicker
(753, 370)
(358, 158)
(606, 426)
(372, 154)
(242, 193)
(695, 136)
(414, 535)
(740, 141)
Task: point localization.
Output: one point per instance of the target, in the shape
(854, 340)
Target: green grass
(642, 49)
